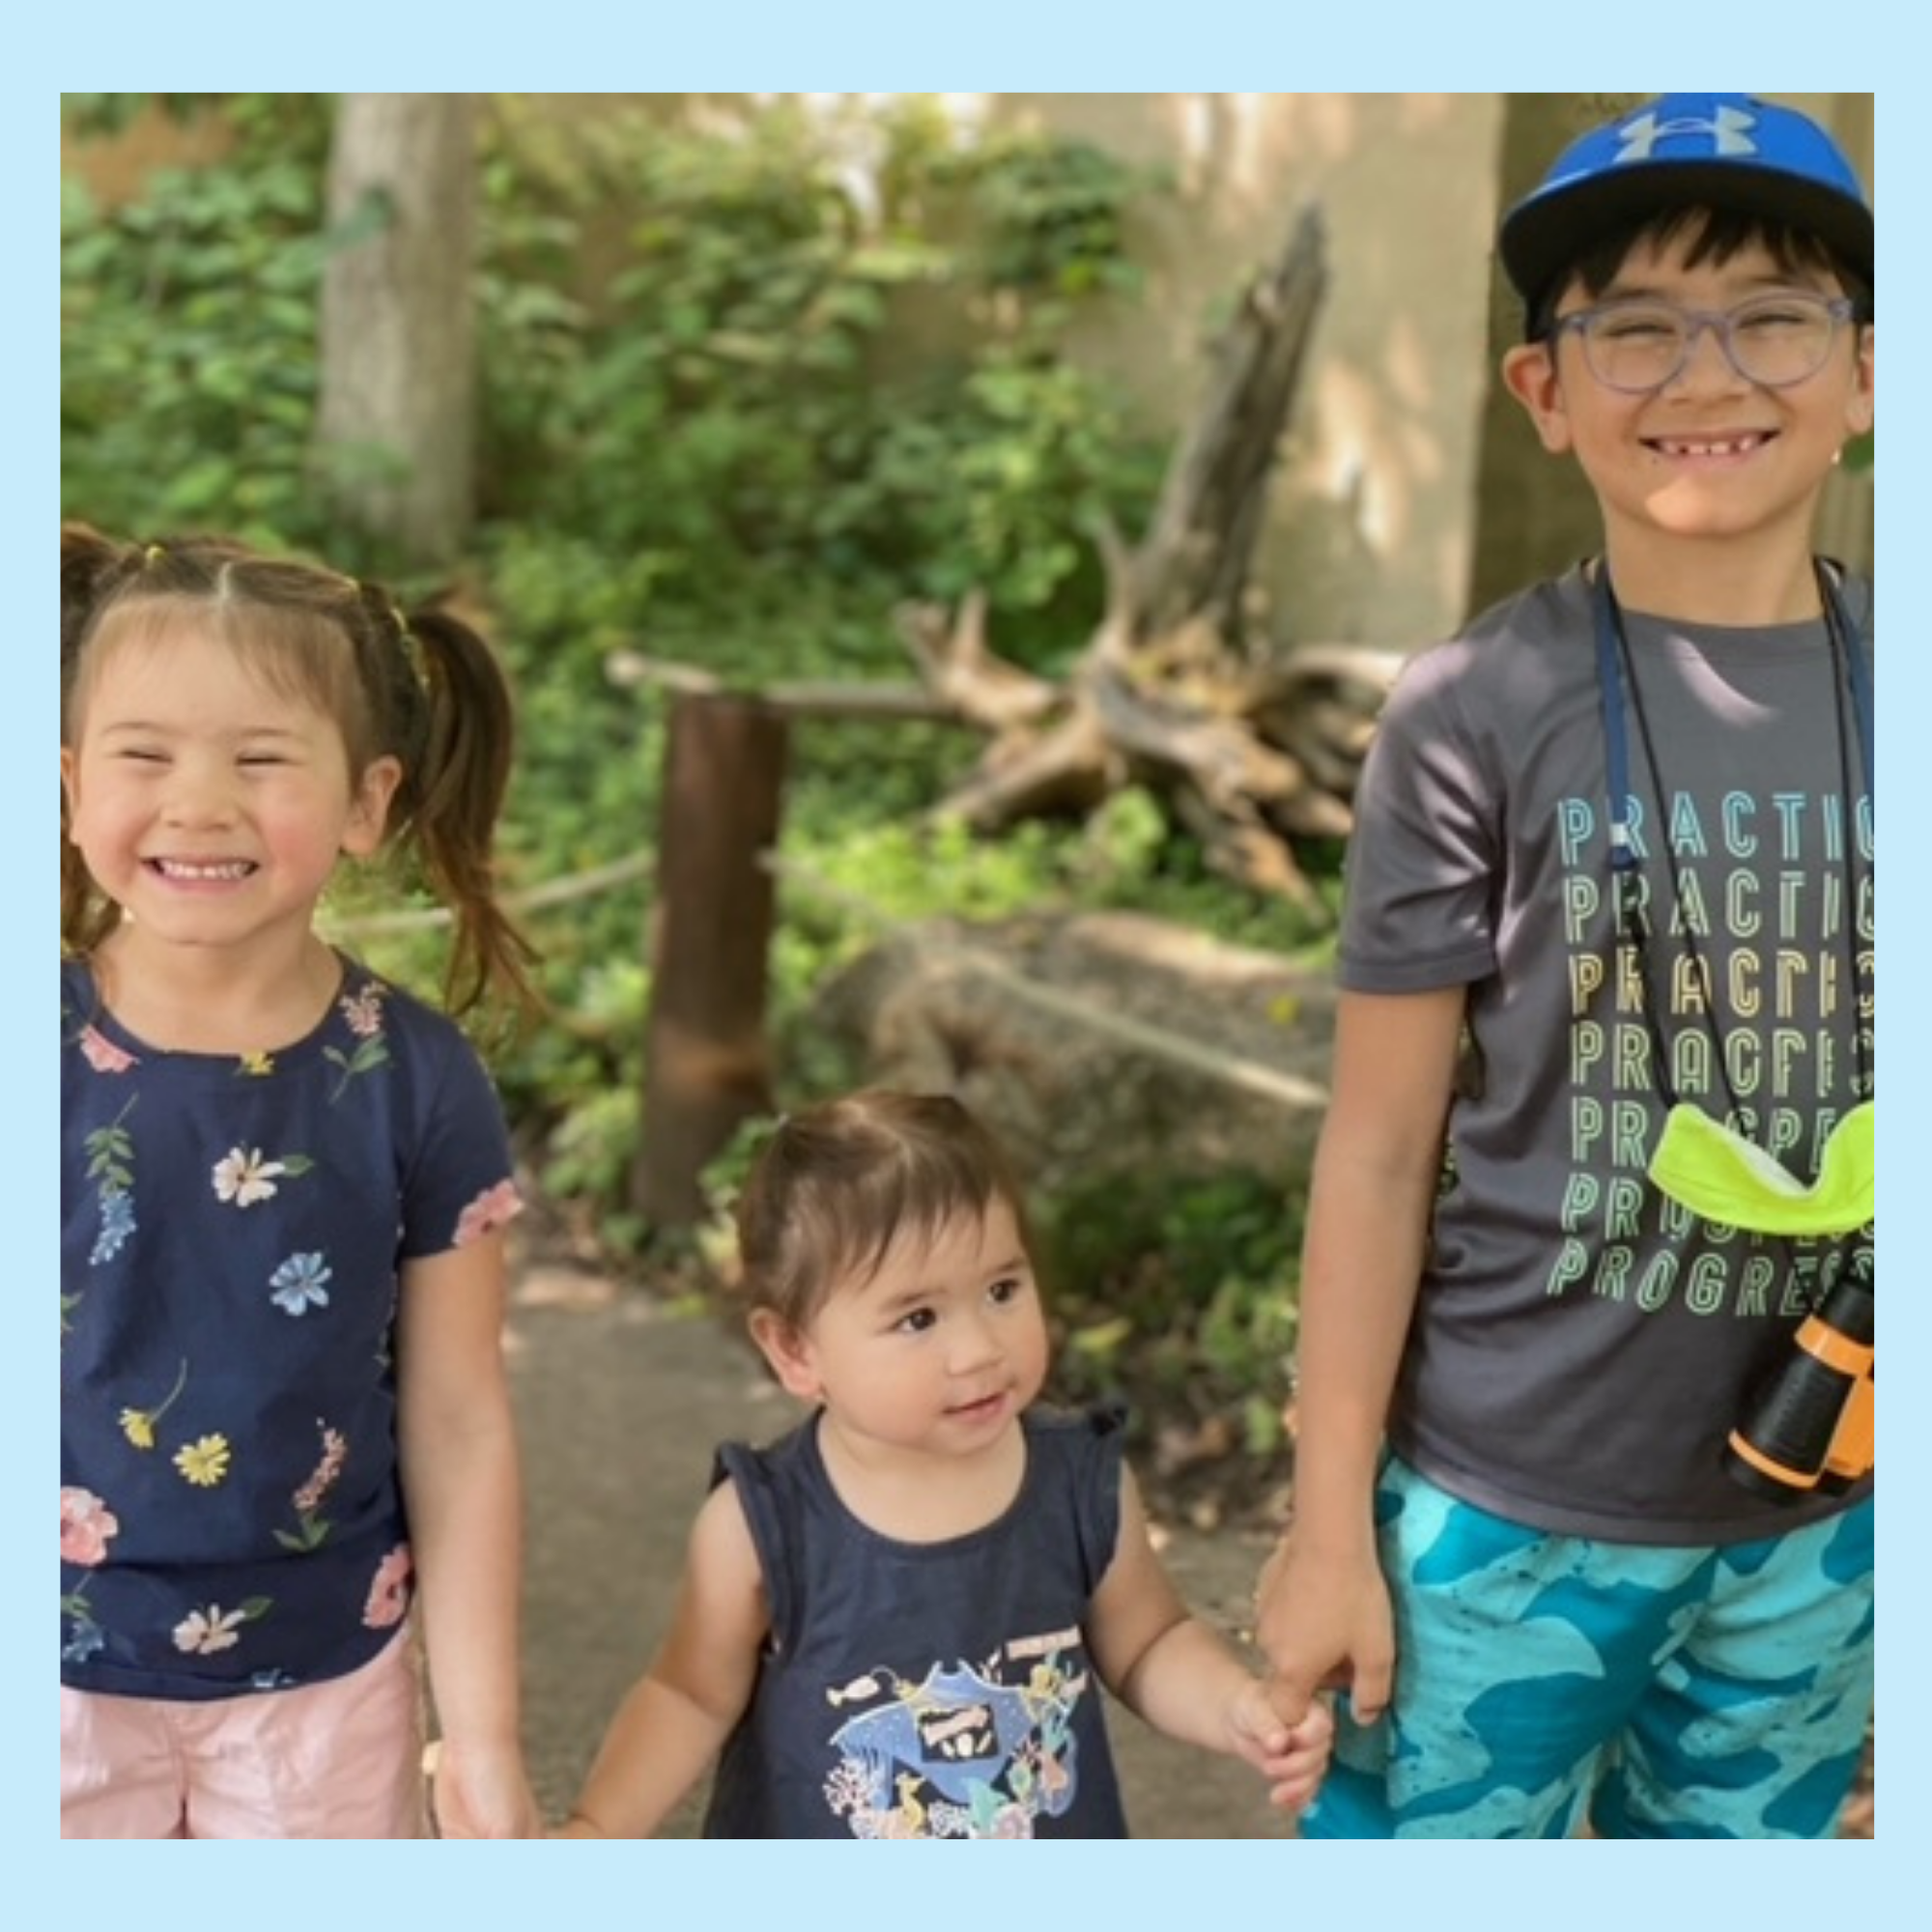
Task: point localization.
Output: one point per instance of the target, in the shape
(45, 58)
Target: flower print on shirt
(362, 1013)
(102, 1055)
(87, 1525)
(495, 1208)
(204, 1462)
(301, 1283)
(362, 1009)
(203, 1632)
(89, 1639)
(110, 1165)
(389, 1592)
(309, 1498)
(137, 1425)
(117, 1224)
(244, 1177)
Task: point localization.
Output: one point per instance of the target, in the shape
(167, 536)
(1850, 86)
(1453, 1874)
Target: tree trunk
(396, 424)
(1537, 513)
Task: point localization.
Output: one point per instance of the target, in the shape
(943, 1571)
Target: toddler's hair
(837, 1185)
(421, 687)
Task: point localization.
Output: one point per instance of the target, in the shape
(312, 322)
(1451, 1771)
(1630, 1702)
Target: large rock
(1099, 1043)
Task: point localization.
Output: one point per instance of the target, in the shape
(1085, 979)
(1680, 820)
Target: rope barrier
(535, 899)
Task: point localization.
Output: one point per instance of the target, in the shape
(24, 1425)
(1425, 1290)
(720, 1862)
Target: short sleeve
(1424, 858)
(461, 1184)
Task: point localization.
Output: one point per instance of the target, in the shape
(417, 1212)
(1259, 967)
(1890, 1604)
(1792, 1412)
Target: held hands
(481, 1792)
(1323, 1621)
(1291, 1753)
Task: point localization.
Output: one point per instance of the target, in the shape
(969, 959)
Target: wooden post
(706, 1060)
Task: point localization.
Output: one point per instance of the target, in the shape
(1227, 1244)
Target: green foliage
(735, 393)
(187, 373)
(187, 325)
(1178, 1293)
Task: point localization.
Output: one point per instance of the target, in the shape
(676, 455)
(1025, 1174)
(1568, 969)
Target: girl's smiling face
(211, 804)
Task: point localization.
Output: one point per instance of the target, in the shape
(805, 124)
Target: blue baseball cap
(1719, 150)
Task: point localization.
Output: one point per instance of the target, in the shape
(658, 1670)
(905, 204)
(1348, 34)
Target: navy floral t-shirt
(231, 1229)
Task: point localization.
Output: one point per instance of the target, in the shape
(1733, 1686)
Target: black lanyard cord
(1848, 661)
(1617, 685)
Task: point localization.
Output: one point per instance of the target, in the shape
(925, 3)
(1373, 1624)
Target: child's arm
(1323, 1614)
(1168, 1668)
(461, 1485)
(679, 1713)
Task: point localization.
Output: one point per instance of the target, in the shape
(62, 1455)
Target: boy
(1613, 876)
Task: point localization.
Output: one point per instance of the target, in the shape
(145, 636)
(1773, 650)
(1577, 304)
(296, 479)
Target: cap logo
(1728, 130)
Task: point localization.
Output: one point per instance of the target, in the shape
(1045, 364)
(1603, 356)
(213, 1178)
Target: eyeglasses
(1775, 340)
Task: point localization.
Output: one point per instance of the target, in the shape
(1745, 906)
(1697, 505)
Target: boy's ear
(1861, 405)
(789, 1353)
(369, 810)
(1529, 373)
(69, 774)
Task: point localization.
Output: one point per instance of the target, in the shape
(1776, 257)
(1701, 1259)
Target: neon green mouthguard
(1715, 1172)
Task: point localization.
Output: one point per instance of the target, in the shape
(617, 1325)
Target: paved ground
(620, 1401)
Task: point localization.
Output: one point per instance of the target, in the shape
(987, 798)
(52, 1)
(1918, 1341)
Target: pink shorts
(340, 1759)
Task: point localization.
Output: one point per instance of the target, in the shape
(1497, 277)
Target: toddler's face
(939, 1350)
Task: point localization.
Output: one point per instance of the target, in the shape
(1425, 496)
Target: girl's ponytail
(91, 565)
(452, 795)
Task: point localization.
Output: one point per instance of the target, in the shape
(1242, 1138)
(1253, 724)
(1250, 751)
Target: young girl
(283, 1188)
(891, 1621)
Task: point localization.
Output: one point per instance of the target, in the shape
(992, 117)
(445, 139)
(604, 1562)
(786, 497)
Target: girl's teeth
(177, 868)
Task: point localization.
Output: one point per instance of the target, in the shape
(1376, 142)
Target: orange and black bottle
(1809, 1427)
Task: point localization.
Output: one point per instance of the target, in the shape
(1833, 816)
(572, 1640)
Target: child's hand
(1293, 1755)
(482, 1792)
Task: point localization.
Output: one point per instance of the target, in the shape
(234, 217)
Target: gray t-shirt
(1581, 1347)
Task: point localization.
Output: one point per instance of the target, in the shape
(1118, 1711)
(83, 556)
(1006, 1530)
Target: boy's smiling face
(1710, 458)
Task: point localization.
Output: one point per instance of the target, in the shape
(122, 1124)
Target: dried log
(1195, 560)
(1068, 767)
(964, 673)
(1245, 850)
(1166, 692)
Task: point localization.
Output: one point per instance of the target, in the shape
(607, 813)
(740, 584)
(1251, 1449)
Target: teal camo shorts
(1544, 1680)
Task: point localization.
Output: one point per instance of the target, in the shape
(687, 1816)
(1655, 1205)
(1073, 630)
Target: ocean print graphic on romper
(967, 1753)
